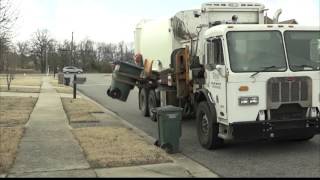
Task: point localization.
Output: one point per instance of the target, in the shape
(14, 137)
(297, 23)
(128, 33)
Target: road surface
(253, 159)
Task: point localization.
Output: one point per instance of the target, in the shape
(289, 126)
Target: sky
(115, 20)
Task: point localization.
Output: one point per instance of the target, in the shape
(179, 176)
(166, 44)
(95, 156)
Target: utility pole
(47, 65)
(72, 59)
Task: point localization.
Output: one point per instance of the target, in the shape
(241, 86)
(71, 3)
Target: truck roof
(223, 29)
(233, 6)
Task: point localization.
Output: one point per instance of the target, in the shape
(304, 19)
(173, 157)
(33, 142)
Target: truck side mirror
(221, 69)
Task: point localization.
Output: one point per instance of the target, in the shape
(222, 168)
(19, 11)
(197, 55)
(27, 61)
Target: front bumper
(275, 129)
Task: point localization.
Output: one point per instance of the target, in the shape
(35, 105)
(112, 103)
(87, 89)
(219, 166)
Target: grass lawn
(60, 88)
(80, 110)
(107, 147)
(16, 110)
(20, 89)
(21, 80)
(9, 142)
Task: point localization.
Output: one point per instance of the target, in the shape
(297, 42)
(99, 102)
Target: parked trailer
(242, 79)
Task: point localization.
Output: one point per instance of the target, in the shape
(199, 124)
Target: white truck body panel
(248, 13)
(155, 39)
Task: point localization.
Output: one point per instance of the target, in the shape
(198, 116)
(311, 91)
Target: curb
(194, 168)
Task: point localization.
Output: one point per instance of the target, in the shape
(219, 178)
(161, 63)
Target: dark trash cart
(169, 128)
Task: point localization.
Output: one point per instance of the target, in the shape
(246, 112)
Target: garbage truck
(240, 78)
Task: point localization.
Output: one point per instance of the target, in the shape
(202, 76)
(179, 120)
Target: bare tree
(10, 67)
(7, 19)
(106, 52)
(121, 47)
(40, 46)
(22, 50)
(87, 55)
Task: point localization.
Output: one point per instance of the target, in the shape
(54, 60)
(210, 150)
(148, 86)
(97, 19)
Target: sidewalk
(48, 149)
(48, 145)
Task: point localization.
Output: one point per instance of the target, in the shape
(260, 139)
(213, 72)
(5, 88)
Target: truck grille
(289, 90)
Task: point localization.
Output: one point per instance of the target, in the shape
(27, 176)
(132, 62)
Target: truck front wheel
(143, 102)
(207, 127)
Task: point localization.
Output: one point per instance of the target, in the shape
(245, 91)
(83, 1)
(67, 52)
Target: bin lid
(169, 108)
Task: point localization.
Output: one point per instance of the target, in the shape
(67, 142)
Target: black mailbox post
(77, 80)
(75, 86)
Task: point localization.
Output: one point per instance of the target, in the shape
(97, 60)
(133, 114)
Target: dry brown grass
(64, 90)
(60, 88)
(21, 80)
(20, 89)
(79, 110)
(117, 147)
(16, 110)
(9, 141)
(54, 82)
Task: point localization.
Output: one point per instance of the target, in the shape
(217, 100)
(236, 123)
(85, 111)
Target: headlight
(248, 100)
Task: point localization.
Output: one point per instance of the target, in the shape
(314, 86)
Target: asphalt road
(253, 159)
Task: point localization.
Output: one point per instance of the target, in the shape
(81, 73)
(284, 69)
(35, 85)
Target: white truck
(241, 78)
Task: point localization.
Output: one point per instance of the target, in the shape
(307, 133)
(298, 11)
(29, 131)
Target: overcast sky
(115, 20)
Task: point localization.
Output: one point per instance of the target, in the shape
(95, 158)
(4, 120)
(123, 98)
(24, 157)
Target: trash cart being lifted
(169, 128)
(124, 79)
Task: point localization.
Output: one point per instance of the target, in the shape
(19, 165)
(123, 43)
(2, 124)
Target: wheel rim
(151, 105)
(142, 98)
(205, 125)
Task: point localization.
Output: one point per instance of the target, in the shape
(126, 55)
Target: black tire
(305, 138)
(143, 102)
(207, 127)
(152, 102)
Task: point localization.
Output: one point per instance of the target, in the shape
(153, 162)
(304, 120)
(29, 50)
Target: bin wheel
(143, 102)
(153, 103)
(207, 127)
(157, 143)
(167, 147)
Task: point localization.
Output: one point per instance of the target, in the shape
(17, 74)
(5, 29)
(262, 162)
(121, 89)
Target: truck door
(216, 81)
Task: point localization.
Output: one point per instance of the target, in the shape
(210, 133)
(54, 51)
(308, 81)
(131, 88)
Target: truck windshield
(254, 51)
(303, 49)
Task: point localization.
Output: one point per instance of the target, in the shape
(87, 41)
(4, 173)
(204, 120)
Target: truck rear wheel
(207, 127)
(303, 138)
(143, 102)
(152, 102)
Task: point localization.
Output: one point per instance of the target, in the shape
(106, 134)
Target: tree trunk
(9, 79)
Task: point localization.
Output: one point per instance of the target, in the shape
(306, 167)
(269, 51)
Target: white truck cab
(263, 78)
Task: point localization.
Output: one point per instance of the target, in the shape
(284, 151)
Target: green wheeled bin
(128, 69)
(67, 81)
(169, 128)
(124, 79)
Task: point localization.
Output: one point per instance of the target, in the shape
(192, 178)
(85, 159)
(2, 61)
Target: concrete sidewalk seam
(58, 170)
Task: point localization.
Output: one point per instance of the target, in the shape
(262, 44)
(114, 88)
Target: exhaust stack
(276, 16)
